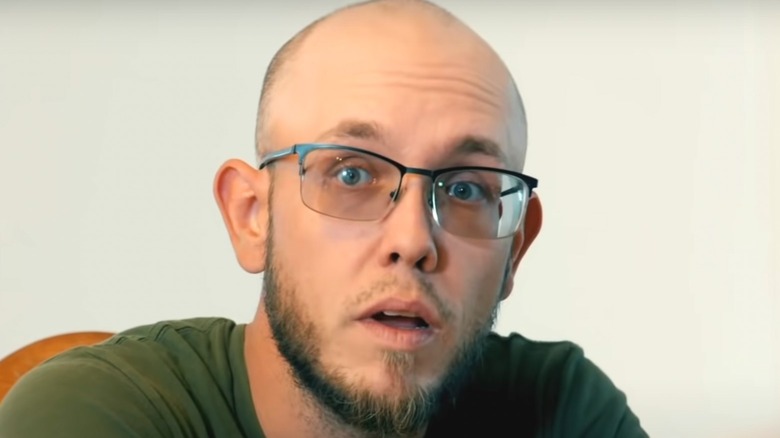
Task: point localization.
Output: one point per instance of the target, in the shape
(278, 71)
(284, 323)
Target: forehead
(411, 90)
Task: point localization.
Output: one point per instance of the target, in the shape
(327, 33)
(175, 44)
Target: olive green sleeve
(79, 397)
(172, 379)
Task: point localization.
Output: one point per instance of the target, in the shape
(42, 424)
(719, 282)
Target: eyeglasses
(350, 183)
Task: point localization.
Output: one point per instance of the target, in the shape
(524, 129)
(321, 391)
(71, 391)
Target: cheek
(484, 295)
(322, 256)
(322, 249)
(295, 252)
(476, 281)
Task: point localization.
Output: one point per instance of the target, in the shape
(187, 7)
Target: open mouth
(400, 320)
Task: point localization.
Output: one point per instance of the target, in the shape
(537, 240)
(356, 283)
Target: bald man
(389, 213)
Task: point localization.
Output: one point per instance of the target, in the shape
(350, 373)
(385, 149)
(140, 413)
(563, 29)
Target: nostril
(394, 257)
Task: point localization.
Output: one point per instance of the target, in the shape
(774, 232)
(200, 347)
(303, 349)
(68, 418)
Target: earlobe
(522, 241)
(241, 193)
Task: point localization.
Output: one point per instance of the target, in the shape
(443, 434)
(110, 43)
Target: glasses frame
(302, 149)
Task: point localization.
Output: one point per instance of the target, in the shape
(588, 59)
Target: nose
(408, 229)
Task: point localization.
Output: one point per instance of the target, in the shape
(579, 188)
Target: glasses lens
(348, 184)
(479, 203)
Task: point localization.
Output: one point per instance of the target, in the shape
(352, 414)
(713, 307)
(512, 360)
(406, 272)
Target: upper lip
(413, 307)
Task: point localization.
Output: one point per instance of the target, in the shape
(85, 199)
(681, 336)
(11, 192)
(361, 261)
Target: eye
(466, 191)
(353, 176)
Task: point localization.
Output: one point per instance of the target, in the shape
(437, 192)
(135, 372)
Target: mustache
(391, 284)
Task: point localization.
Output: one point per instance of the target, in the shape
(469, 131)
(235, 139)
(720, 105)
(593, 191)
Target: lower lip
(398, 338)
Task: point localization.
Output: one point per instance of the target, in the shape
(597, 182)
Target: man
(389, 216)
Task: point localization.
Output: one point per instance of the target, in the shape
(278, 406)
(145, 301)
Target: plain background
(653, 131)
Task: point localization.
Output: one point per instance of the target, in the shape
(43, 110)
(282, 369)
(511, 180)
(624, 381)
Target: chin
(396, 374)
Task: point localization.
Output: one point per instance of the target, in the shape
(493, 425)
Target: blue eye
(466, 191)
(353, 176)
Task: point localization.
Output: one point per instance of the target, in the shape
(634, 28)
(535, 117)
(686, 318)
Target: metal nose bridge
(431, 174)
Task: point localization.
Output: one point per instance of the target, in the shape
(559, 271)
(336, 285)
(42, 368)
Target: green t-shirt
(189, 379)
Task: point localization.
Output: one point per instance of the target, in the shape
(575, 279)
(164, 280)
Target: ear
(522, 241)
(242, 195)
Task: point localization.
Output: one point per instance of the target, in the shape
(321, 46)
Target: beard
(377, 414)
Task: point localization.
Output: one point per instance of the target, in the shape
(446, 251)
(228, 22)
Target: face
(380, 319)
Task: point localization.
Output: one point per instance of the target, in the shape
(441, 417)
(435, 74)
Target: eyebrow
(369, 130)
(470, 145)
(355, 129)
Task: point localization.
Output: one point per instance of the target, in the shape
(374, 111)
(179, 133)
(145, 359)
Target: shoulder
(514, 353)
(191, 331)
(519, 372)
(160, 350)
(145, 372)
(543, 388)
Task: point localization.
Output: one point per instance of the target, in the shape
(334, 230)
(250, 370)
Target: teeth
(407, 315)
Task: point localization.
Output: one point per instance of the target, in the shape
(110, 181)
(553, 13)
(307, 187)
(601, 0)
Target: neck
(283, 408)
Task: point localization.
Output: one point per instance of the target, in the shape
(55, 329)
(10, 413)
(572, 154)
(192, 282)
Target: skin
(422, 81)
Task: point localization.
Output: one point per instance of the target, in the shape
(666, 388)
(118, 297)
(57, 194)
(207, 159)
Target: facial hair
(298, 341)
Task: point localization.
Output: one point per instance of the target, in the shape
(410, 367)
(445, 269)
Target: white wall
(653, 130)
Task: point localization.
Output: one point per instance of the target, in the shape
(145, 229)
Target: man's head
(380, 318)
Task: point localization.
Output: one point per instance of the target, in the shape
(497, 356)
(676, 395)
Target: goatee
(375, 414)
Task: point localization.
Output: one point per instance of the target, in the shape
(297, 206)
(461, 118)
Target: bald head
(390, 34)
